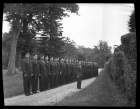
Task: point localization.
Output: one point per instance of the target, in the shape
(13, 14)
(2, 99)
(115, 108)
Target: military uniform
(96, 68)
(52, 70)
(27, 76)
(67, 72)
(59, 73)
(35, 77)
(74, 71)
(79, 76)
(47, 64)
(62, 71)
(70, 71)
(56, 72)
(43, 76)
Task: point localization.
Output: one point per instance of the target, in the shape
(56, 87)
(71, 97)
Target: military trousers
(61, 79)
(35, 83)
(52, 81)
(42, 83)
(79, 84)
(27, 83)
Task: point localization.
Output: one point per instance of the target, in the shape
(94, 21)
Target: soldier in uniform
(47, 64)
(56, 72)
(73, 70)
(43, 76)
(67, 71)
(71, 64)
(35, 77)
(70, 71)
(52, 70)
(82, 67)
(79, 75)
(61, 71)
(27, 74)
(96, 67)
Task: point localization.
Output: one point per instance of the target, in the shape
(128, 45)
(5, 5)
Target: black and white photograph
(69, 54)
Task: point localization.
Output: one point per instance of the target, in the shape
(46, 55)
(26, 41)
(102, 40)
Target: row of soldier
(43, 74)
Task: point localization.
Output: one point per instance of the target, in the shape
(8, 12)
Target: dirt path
(49, 97)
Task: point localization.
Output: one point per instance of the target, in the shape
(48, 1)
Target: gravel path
(49, 97)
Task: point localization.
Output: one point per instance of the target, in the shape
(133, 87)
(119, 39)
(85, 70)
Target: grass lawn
(12, 85)
(100, 93)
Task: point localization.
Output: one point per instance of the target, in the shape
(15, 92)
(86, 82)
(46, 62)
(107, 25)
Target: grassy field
(100, 93)
(12, 85)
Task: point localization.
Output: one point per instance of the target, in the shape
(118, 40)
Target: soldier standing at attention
(43, 76)
(52, 72)
(73, 73)
(35, 77)
(61, 71)
(64, 71)
(67, 71)
(27, 72)
(58, 72)
(74, 70)
(55, 72)
(47, 71)
(79, 75)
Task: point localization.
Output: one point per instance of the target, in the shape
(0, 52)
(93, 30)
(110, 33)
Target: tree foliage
(101, 52)
(122, 68)
(29, 19)
(131, 23)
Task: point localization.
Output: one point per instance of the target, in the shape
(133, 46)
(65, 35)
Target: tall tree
(131, 23)
(101, 52)
(6, 44)
(18, 14)
(70, 50)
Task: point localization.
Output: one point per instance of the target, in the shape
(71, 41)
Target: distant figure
(27, 74)
(79, 75)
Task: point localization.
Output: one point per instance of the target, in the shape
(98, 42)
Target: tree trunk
(11, 64)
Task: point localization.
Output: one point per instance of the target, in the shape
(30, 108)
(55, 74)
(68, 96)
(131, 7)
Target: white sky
(95, 22)
(98, 22)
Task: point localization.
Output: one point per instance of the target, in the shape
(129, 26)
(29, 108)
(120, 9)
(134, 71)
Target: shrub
(122, 74)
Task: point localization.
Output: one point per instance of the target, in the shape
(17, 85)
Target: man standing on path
(79, 75)
(27, 74)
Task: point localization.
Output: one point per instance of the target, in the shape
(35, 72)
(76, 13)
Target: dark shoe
(31, 93)
(34, 92)
(27, 94)
(38, 91)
